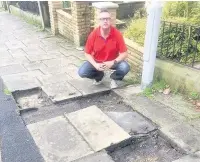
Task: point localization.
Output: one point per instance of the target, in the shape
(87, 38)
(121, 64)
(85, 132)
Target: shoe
(113, 84)
(97, 83)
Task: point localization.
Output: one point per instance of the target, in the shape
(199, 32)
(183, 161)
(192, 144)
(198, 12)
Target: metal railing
(180, 43)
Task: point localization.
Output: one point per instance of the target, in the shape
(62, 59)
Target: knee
(81, 72)
(124, 67)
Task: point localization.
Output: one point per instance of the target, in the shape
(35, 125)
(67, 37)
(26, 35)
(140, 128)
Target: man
(105, 49)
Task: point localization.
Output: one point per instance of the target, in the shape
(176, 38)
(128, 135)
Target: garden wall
(178, 76)
(135, 54)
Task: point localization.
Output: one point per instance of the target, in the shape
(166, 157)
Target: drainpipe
(154, 11)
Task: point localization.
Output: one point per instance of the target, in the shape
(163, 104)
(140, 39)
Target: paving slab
(34, 51)
(96, 157)
(12, 69)
(75, 60)
(190, 158)
(51, 79)
(69, 69)
(195, 123)
(42, 57)
(11, 61)
(15, 44)
(172, 125)
(61, 61)
(128, 91)
(97, 128)
(22, 81)
(5, 54)
(17, 52)
(36, 65)
(58, 140)
(60, 91)
(86, 87)
(132, 122)
(179, 104)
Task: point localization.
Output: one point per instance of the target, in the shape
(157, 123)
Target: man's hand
(109, 64)
(100, 66)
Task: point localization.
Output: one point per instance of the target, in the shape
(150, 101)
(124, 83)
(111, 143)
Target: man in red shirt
(105, 49)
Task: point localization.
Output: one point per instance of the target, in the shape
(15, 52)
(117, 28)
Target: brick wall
(65, 24)
(73, 23)
(135, 55)
(53, 6)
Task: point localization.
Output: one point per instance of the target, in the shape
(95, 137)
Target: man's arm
(90, 59)
(122, 56)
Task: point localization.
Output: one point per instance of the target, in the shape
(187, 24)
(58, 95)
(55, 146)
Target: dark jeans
(87, 70)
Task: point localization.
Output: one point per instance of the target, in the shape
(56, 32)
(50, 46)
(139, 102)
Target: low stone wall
(135, 55)
(29, 17)
(65, 27)
(180, 77)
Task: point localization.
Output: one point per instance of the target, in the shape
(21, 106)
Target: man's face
(105, 20)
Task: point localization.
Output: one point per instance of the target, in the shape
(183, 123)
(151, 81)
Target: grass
(157, 86)
(194, 95)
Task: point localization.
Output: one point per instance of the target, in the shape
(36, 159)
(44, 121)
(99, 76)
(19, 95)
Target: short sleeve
(90, 43)
(121, 43)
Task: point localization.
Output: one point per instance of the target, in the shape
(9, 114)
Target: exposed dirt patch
(153, 149)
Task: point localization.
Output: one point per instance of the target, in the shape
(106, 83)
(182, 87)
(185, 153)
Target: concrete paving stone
(101, 156)
(61, 61)
(86, 87)
(132, 122)
(14, 44)
(22, 81)
(97, 128)
(34, 51)
(42, 57)
(51, 79)
(30, 40)
(128, 91)
(177, 132)
(195, 123)
(11, 61)
(75, 60)
(3, 47)
(12, 69)
(190, 158)
(17, 52)
(53, 40)
(18, 84)
(36, 65)
(69, 69)
(60, 91)
(57, 140)
(51, 48)
(179, 104)
(172, 124)
(5, 54)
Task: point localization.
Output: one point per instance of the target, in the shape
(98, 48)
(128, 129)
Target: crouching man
(105, 49)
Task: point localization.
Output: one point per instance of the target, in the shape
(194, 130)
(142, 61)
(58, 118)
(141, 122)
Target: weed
(6, 91)
(194, 95)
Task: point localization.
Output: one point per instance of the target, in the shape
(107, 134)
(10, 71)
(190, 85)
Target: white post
(41, 14)
(154, 11)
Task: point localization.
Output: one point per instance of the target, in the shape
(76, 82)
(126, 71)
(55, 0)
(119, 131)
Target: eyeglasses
(106, 18)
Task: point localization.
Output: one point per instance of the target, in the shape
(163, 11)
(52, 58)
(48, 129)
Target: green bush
(178, 44)
(136, 30)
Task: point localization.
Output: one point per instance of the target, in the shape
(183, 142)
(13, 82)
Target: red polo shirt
(105, 49)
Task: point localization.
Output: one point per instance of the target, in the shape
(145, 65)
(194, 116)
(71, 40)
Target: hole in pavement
(146, 144)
